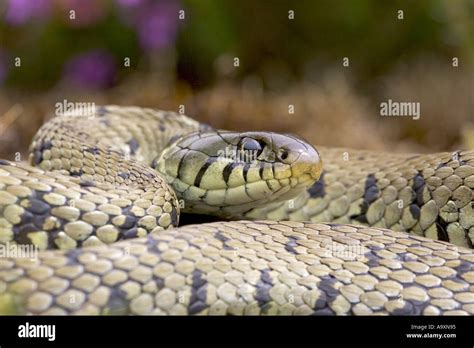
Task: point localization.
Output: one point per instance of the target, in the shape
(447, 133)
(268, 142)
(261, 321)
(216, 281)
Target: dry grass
(329, 113)
(446, 97)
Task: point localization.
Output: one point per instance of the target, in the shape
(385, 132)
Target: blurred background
(319, 69)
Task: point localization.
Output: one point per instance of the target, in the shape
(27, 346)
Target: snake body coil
(92, 183)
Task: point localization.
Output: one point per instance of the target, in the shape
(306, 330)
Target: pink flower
(156, 22)
(20, 11)
(94, 69)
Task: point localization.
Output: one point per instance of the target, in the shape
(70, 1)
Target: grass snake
(378, 233)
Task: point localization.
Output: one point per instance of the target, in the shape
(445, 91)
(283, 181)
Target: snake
(295, 230)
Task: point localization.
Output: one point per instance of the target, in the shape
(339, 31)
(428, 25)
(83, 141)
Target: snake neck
(427, 195)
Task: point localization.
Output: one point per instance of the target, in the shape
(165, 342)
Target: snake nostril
(283, 154)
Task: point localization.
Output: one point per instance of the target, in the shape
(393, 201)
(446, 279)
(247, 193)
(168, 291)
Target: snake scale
(378, 233)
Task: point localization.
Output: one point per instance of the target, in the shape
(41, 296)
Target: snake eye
(283, 154)
(249, 144)
(250, 148)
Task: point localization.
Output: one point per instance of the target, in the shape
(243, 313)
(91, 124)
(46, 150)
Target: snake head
(229, 173)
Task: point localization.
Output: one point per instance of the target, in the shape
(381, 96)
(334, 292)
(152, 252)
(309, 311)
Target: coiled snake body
(334, 246)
